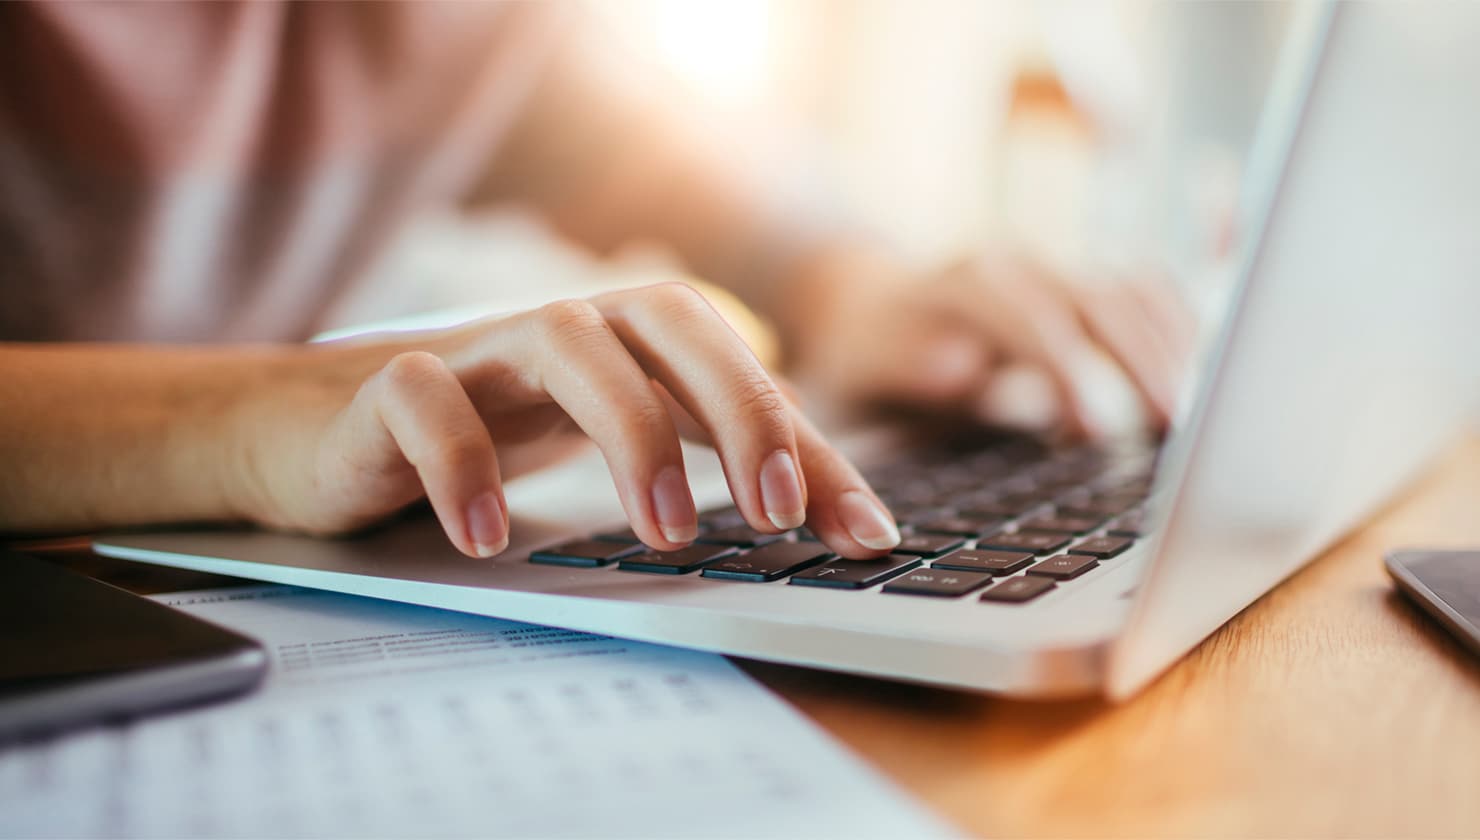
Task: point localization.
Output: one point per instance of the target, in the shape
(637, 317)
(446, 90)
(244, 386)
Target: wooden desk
(1329, 707)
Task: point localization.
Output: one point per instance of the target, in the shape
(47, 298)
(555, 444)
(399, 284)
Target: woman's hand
(952, 339)
(364, 430)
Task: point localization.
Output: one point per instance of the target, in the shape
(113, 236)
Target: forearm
(609, 164)
(112, 435)
(785, 264)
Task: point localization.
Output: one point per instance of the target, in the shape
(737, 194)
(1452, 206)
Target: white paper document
(383, 719)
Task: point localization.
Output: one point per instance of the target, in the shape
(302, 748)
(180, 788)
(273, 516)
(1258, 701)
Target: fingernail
(486, 525)
(867, 521)
(781, 491)
(674, 506)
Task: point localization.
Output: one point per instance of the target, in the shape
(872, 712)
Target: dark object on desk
(1446, 584)
(75, 651)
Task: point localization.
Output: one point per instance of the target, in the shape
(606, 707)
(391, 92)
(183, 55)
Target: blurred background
(1090, 132)
(942, 122)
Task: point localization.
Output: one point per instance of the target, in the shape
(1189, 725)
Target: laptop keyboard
(1004, 522)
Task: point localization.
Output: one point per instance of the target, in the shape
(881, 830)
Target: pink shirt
(224, 171)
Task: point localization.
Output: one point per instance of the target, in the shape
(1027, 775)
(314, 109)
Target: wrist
(268, 427)
(275, 426)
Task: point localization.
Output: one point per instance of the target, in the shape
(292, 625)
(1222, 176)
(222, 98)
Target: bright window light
(720, 47)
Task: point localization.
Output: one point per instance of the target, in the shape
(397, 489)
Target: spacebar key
(771, 562)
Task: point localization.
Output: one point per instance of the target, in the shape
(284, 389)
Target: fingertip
(680, 536)
(867, 521)
(485, 551)
(674, 513)
(842, 511)
(782, 494)
(488, 529)
(854, 523)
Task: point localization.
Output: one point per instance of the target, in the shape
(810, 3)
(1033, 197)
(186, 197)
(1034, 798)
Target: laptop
(1349, 359)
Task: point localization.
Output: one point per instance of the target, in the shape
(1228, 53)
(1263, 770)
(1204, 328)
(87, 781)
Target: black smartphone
(1446, 583)
(75, 651)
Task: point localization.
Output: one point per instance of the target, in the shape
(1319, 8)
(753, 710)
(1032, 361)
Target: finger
(586, 370)
(1117, 320)
(689, 428)
(684, 344)
(942, 364)
(843, 511)
(1020, 396)
(416, 405)
(1033, 323)
(1177, 326)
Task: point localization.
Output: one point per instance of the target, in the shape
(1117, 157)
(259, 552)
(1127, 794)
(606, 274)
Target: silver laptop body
(1350, 358)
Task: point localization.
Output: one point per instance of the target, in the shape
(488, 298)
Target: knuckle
(642, 419)
(760, 402)
(448, 450)
(412, 370)
(454, 449)
(566, 321)
(789, 392)
(675, 300)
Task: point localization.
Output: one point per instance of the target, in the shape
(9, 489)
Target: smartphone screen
(75, 651)
(1446, 584)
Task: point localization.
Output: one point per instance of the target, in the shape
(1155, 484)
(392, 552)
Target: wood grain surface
(1330, 707)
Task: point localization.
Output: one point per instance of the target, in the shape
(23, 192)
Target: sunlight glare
(720, 47)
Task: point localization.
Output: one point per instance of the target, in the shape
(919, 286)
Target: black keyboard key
(1007, 505)
(679, 562)
(927, 545)
(955, 479)
(714, 520)
(1019, 589)
(856, 574)
(1038, 543)
(1061, 524)
(913, 492)
(985, 495)
(991, 562)
(939, 583)
(805, 535)
(771, 562)
(1065, 566)
(627, 536)
(1087, 510)
(1030, 501)
(737, 535)
(987, 509)
(962, 526)
(1015, 486)
(912, 514)
(1101, 547)
(584, 553)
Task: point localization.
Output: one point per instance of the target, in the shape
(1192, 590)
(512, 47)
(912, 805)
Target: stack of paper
(383, 719)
